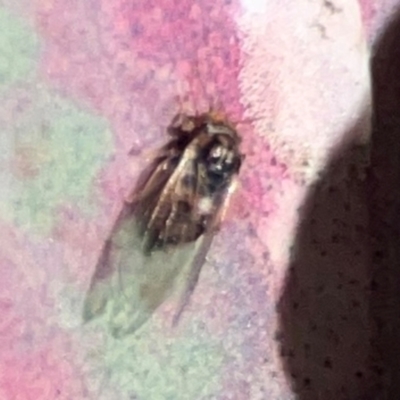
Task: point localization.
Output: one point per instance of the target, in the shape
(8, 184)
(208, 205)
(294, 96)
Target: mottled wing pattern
(169, 217)
(141, 260)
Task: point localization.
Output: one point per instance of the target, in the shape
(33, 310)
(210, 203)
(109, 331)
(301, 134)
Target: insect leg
(194, 275)
(225, 204)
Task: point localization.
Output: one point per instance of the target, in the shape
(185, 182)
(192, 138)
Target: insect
(166, 227)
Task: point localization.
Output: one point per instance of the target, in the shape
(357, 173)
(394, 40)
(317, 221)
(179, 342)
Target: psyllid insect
(168, 225)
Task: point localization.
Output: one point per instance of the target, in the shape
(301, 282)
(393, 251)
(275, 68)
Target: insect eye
(216, 153)
(215, 156)
(219, 160)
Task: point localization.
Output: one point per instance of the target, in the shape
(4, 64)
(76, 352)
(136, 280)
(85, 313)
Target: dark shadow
(340, 308)
(325, 325)
(384, 207)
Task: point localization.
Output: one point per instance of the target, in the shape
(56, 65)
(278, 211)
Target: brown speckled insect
(166, 228)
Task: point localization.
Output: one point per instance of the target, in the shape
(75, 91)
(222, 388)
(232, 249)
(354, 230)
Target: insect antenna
(248, 120)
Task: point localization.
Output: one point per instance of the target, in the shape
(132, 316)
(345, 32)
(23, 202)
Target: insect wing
(192, 273)
(168, 229)
(128, 283)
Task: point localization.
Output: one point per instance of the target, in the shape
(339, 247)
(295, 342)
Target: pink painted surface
(282, 310)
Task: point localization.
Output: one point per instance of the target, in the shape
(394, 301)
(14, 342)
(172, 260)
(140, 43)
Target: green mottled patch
(151, 368)
(18, 49)
(54, 151)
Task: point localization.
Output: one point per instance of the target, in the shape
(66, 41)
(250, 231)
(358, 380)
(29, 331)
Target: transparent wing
(135, 283)
(129, 282)
(154, 241)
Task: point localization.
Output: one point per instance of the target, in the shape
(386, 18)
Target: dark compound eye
(216, 153)
(214, 159)
(220, 160)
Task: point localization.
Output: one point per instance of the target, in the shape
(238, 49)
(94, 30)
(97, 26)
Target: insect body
(166, 228)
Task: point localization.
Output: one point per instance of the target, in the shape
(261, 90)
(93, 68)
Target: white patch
(233, 186)
(205, 205)
(254, 6)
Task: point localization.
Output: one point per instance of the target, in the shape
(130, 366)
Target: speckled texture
(288, 303)
(384, 207)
